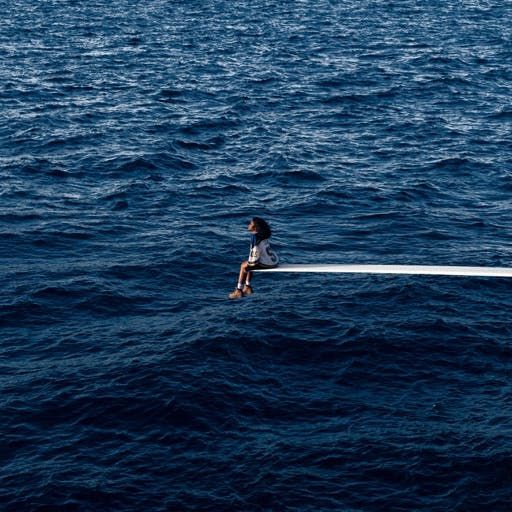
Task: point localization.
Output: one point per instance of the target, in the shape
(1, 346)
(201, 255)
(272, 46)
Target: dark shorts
(259, 266)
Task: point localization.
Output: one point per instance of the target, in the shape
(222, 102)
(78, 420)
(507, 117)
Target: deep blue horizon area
(137, 139)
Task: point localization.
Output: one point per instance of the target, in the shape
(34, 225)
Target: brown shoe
(247, 289)
(236, 294)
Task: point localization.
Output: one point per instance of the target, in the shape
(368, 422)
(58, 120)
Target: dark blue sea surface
(136, 141)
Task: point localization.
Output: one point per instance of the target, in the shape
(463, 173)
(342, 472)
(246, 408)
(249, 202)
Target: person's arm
(254, 254)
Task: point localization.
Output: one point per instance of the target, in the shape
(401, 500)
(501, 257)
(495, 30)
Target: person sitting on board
(260, 256)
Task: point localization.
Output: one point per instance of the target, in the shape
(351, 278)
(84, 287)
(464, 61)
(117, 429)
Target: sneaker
(247, 289)
(236, 294)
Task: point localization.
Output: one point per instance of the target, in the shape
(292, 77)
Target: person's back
(261, 253)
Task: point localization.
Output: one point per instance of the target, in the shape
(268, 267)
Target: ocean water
(136, 141)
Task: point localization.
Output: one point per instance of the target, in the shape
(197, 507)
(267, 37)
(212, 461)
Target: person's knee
(244, 265)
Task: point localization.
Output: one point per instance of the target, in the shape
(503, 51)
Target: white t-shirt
(261, 253)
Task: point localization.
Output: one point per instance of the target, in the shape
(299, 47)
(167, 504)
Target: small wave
(213, 143)
(73, 235)
(180, 164)
(422, 190)
(136, 164)
(135, 41)
(211, 190)
(170, 95)
(264, 80)
(202, 126)
(334, 194)
(57, 292)
(118, 194)
(120, 205)
(436, 234)
(131, 189)
(505, 182)
(130, 271)
(20, 216)
(140, 164)
(343, 99)
(503, 114)
(115, 303)
(24, 312)
(290, 176)
(358, 97)
(60, 173)
(449, 163)
(74, 87)
(37, 165)
(331, 82)
(383, 215)
(58, 142)
(54, 239)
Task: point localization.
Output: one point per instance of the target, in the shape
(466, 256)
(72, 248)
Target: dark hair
(262, 228)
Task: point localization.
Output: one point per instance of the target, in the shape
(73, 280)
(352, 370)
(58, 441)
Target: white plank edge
(443, 270)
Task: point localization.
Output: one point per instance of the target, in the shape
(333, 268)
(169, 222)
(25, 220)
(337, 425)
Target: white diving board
(395, 269)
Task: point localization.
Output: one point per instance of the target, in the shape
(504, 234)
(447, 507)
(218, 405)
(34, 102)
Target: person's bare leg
(247, 289)
(243, 272)
(238, 292)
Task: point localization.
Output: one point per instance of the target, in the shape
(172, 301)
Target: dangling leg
(243, 274)
(247, 290)
(238, 292)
